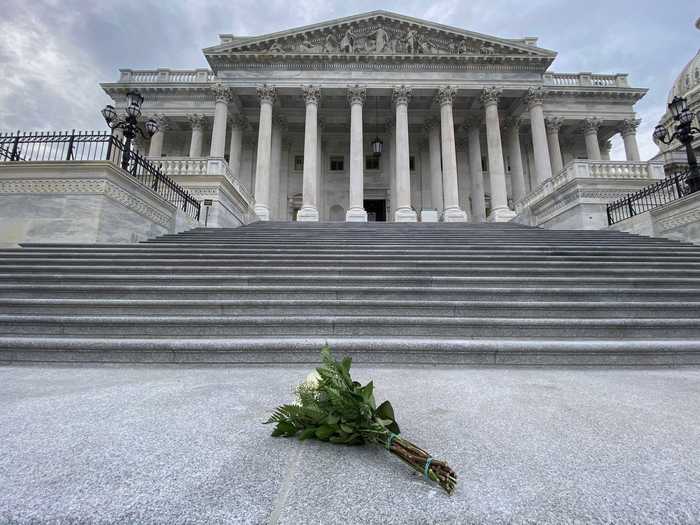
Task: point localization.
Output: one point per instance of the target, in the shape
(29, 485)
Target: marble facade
(471, 124)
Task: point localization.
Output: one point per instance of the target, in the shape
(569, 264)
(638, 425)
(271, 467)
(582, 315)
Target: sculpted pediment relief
(379, 35)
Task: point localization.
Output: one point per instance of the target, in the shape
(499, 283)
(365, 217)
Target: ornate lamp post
(129, 124)
(685, 132)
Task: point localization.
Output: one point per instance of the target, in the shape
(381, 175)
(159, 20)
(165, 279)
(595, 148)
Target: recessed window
(412, 163)
(298, 162)
(337, 163)
(371, 163)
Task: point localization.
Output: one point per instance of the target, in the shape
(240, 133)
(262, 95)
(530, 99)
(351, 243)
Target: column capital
(591, 124)
(430, 123)
(312, 94)
(221, 93)
(553, 124)
(512, 123)
(356, 94)
(445, 95)
(490, 95)
(628, 126)
(196, 120)
(267, 94)
(163, 122)
(238, 121)
(401, 94)
(535, 96)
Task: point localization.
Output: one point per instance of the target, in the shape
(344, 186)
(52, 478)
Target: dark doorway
(376, 210)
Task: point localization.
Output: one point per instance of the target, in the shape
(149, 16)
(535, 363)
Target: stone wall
(678, 220)
(81, 202)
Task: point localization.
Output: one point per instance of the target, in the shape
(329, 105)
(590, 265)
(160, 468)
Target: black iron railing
(91, 145)
(653, 196)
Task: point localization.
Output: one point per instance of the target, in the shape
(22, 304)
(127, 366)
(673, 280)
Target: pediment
(380, 34)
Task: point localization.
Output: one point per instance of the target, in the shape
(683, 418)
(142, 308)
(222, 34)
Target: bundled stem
(438, 471)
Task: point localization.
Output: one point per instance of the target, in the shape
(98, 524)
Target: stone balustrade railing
(193, 166)
(165, 75)
(593, 169)
(584, 79)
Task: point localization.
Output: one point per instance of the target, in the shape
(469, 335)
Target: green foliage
(337, 409)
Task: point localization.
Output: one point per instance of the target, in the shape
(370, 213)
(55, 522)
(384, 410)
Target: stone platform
(159, 444)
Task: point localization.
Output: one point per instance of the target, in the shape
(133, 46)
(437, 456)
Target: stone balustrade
(592, 169)
(166, 75)
(584, 79)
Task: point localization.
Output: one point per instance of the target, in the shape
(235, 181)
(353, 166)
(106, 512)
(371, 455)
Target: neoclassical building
(470, 125)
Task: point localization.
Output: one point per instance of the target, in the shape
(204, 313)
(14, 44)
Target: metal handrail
(662, 192)
(95, 145)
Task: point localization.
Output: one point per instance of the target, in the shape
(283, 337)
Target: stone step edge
(393, 351)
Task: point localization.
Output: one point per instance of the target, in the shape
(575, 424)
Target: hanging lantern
(377, 147)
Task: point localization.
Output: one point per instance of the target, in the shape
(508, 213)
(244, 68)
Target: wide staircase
(272, 292)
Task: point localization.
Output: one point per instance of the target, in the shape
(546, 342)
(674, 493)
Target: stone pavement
(172, 445)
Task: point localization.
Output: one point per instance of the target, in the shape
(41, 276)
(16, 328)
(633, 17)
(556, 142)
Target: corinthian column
(356, 212)
(553, 125)
(197, 123)
(517, 176)
(628, 130)
(432, 127)
(156, 147)
(453, 213)
(309, 211)
(476, 170)
(543, 167)
(497, 172)
(266, 95)
(278, 126)
(238, 125)
(590, 134)
(218, 131)
(404, 212)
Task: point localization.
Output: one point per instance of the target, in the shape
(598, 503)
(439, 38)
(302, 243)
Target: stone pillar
(278, 125)
(197, 123)
(309, 211)
(390, 126)
(517, 175)
(553, 125)
(218, 131)
(404, 212)
(476, 170)
(605, 148)
(156, 147)
(543, 167)
(452, 213)
(356, 211)
(320, 164)
(628, 130)
(464, 181)
(590, 134)
(497, 172)
(238, 125)
(432, 128)
(266, 95)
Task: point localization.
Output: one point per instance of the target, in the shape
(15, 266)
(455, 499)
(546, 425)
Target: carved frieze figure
(347, 44)
(463, 47)
(331, 44)
(487, 50)
(276, 48)
(381, 39)
(411, 41)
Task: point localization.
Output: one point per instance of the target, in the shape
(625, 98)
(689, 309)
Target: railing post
(676, 178)
(109, 147)
(15, 147)
(629, 205)
(69, 154)
(607, 211)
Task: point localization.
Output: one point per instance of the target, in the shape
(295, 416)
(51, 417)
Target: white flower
(312, 379)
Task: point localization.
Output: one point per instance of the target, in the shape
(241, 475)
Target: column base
(405, 215)
(263, 212)
(429, 216)
(356, 215)
(501, 215)
(455, 215)
(307, 214)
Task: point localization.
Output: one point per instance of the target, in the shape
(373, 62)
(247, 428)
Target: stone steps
(397, 293)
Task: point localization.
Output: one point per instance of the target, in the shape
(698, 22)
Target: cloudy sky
(53, 53)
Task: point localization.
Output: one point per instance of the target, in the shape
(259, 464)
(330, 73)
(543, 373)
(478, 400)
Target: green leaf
(386, 412)
(332, 419)
(284, 429)
(366, 391)
(347, 428)
(308, 433)
(324, 432)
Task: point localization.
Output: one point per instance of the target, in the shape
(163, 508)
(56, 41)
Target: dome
(688, 80)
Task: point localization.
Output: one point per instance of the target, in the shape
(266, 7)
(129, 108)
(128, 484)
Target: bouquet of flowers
(332, 407)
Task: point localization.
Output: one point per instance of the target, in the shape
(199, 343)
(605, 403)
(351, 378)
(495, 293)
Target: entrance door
(376, 210)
